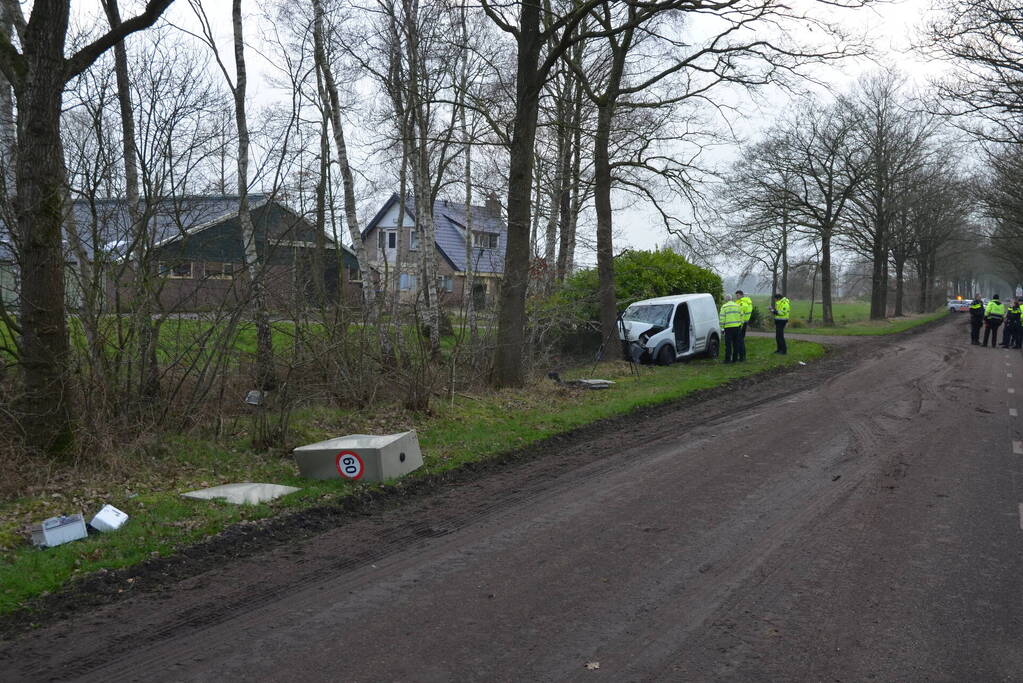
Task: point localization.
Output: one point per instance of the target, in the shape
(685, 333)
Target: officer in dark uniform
(976, 319)
(1014, 325)
(1012, 322)
(993, 315)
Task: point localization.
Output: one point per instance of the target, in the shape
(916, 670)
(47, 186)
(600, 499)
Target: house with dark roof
(197, 247)
(488, 241)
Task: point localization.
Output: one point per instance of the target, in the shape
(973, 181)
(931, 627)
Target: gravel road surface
(860, 518)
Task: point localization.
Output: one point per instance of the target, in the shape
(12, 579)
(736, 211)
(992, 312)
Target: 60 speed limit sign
(349, 465)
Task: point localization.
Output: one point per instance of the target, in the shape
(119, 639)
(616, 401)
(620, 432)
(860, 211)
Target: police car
(958, 305)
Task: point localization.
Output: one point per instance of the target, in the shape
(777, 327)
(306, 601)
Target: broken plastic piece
(255, 397)
(108, 519)
(581, 383)
(58, 530)
(242, 493)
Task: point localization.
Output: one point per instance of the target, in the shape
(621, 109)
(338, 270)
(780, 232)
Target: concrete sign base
(361, 457)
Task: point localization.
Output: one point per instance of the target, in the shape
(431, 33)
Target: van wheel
(713, 347)
(666, 356)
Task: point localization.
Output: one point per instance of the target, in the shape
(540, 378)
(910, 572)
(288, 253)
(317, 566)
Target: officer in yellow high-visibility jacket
(746, 305)
(993, 315)
(730, 317)
(780, 310)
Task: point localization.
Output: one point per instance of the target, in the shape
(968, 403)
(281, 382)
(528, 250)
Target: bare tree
(755, 203)
(38, 73)
(333, 107)
(899, 140)
(149, 372)
(265, 375)
(982, 40)
(816, 150)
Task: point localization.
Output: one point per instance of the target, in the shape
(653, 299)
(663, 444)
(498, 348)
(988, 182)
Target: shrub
(756, 318)
(642, 275)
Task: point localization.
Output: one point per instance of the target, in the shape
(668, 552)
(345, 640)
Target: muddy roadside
(423, 502)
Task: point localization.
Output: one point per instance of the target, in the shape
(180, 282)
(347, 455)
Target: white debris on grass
(108, 518)
(242, 493)
(58, 530)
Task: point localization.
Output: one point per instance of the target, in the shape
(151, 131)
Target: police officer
(746, 306)
(976, 319)
(993, 315)
(1012, 325)
(730, 317)
(780, 310)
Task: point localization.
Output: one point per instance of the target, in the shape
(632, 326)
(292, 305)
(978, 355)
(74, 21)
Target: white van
(670, 328)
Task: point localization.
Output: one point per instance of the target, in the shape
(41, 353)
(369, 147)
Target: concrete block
(361, 457)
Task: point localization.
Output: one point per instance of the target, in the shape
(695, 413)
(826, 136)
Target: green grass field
(852, 318)
(471, 428)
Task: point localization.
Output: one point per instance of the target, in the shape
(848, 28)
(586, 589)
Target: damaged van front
(669, 328)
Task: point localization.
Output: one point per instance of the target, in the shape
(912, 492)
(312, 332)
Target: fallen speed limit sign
(349, 465)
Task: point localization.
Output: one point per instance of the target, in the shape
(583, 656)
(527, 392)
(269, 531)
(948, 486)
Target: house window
(179, 269)
(380, 239)
(485, 240)
(354, 275)
(407, 282)
(413, 240)
(447, 283)
(392, 240)
(220, 271)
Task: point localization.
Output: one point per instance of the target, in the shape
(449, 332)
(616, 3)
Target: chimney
(493, 205)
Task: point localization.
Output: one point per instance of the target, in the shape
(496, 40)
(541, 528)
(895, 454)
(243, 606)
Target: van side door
(682, 327)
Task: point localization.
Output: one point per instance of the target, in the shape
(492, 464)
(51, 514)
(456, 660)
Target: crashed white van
(670, 328)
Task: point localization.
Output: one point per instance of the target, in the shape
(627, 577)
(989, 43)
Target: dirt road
(857, 519)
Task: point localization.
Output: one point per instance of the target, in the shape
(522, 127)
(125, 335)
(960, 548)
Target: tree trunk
(320, 252)
(41, 72)
(784, 254)
(602, 203)
(46, 404)
(899, 286)
(341, 149)
(149, 372)
(923, 278)
(266, 378)
(569, 207)
(826, 314)
(511, 321)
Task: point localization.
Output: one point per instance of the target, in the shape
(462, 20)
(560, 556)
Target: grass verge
(872, 327)
(149, 480)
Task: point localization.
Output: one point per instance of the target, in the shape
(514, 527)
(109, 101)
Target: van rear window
(653, 314)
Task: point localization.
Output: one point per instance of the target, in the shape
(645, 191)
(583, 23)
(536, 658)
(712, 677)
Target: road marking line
(1021, 515)
(1011, 390)
(1017, 447)
(1013, 412)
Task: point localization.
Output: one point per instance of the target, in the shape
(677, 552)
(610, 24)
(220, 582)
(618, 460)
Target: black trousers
(1007, 333)
(779, 335)
(1013, 334)
(992, 330)
(733, 340)
(975, 326)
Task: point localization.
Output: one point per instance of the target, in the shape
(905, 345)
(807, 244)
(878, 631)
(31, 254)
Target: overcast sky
(891, 26)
